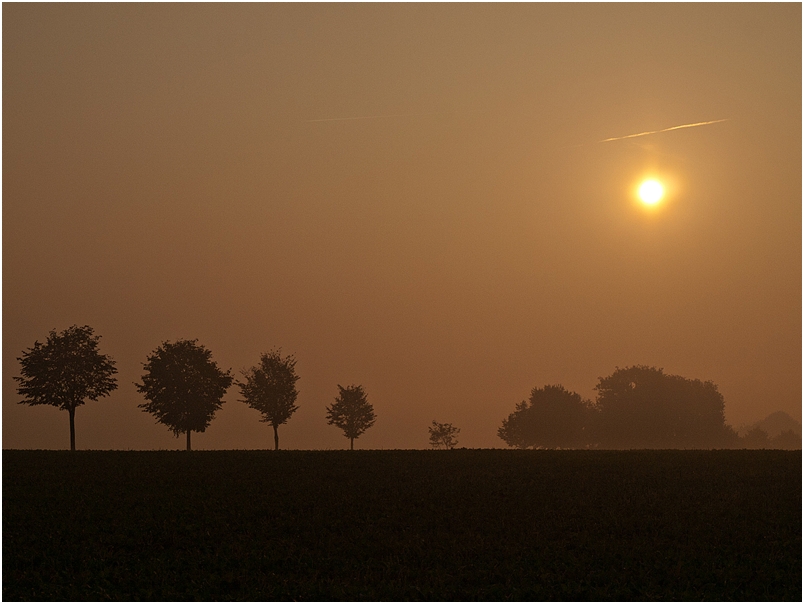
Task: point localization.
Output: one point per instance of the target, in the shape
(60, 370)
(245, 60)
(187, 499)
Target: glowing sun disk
(651, 192)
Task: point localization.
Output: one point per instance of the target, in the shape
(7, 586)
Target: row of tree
(182, 385)
(636, 407)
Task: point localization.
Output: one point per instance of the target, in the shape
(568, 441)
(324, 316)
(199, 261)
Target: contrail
(619, 138)
(366, 117)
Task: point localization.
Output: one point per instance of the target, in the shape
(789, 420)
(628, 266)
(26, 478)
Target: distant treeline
(636, 407)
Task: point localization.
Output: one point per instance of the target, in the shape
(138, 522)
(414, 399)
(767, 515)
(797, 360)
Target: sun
(651, 192)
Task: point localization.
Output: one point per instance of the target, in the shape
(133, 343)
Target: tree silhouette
(552, 417)
(270, 388)
(642, 407)
(351, 412)
(65, 371)
(183, 386)
(756, 438)
(786, 440)
(443, 435)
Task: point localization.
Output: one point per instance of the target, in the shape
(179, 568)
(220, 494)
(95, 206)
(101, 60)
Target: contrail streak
(365, 117)
(619, 138)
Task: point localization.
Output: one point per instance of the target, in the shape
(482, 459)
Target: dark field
(421, 525)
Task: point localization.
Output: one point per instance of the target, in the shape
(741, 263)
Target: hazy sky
(164, 177)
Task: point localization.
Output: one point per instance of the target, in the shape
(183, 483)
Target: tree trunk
(352, 445)
(276, 438)
(188, 440)
(72, 429)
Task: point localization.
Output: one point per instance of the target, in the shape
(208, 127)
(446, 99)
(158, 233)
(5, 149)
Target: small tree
(270, 388)
(65, 371)
(183, 386)
(443, 435)
(351, 412)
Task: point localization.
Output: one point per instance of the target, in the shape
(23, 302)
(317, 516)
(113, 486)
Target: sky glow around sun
(378, 190)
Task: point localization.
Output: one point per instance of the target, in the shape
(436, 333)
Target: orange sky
(162, 179)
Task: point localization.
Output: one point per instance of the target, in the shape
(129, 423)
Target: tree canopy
(786, 440)
(183, 386)
(65, 372)
(756, 438)
(351, 412)
(552, 417)
(270, 388)
(643, 407)
(443, 436)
